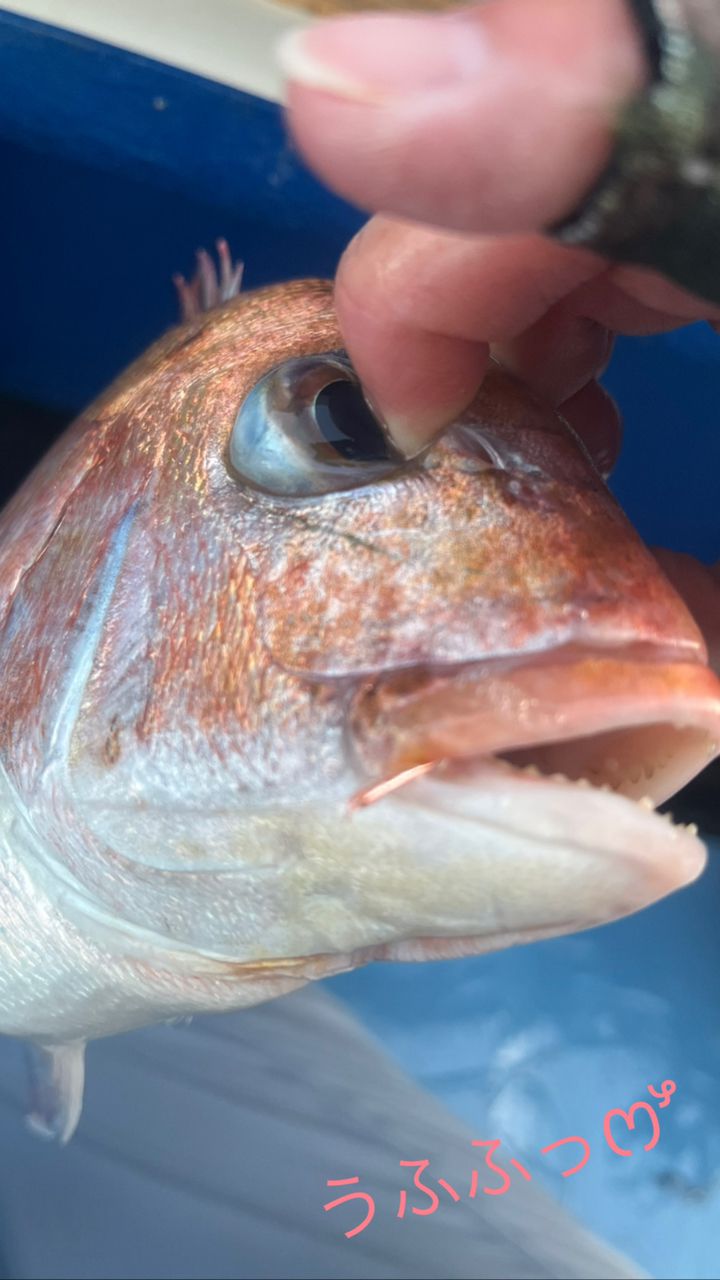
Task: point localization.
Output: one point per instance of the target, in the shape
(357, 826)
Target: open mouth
(637, 727)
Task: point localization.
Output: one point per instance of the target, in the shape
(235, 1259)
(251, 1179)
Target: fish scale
(280, 700)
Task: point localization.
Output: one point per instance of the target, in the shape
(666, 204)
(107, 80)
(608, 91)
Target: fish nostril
(473, 466)
(468, 448)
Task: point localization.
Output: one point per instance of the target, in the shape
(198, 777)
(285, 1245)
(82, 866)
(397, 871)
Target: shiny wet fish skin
(201, 676)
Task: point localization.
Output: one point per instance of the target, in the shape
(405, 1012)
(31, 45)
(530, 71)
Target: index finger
(419, 310)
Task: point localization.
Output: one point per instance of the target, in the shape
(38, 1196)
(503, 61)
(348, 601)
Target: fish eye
(306, 429)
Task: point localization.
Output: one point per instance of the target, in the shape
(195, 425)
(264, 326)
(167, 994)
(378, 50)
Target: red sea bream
(278, 701)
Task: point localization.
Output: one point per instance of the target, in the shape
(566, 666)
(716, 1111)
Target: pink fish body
(278, 701)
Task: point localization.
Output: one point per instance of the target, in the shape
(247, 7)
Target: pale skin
(466, 134)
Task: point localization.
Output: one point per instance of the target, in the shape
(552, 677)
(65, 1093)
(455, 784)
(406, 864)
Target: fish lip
(520, 859)
(657, 855)
(680, 697)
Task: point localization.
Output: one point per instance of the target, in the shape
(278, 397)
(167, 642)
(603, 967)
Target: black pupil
(346, 422)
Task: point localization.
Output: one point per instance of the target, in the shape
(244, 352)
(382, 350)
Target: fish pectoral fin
(57, 1078)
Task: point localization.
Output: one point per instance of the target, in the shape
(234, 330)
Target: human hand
(472, 132)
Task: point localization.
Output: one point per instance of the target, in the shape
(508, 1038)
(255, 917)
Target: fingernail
(409, 436)
(412, 435)
(375, 58)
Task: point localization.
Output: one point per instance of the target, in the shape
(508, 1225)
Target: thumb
(496, 117)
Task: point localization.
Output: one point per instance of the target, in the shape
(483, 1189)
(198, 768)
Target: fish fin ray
(57, 1080)
(208, 288)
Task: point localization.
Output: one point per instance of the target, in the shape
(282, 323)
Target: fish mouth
(639, 727)
(560, 756)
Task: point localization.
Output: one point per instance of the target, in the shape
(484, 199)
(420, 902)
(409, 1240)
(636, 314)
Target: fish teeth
(644, 802)
(675, 827)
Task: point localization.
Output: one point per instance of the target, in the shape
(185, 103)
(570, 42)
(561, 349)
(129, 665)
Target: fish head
(285, 698)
